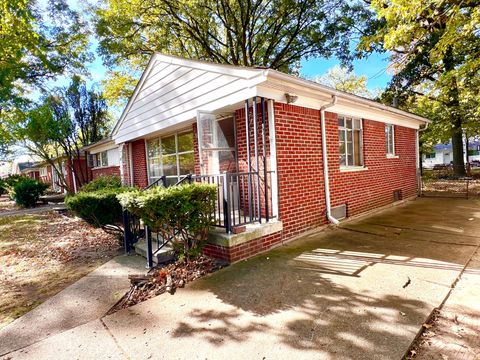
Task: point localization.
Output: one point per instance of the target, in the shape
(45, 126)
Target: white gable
(172, 90)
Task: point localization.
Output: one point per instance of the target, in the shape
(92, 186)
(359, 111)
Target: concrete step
(162, 256)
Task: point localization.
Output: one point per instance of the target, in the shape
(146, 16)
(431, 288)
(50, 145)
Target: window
(171, 156)
(43, 172)
(100, 159)
(350, 141)
(390, 139)
(430, 156)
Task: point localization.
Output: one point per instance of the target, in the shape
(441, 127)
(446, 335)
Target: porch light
(291, 98)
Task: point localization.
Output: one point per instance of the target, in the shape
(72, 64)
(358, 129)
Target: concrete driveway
(361, 291)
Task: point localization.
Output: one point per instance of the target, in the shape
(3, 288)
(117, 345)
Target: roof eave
(273, 74)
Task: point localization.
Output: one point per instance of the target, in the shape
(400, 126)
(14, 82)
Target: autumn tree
(268, 33)
(343, 79)
(64, 122)
(435, 47)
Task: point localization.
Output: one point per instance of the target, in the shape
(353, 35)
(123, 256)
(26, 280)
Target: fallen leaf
(427, 326)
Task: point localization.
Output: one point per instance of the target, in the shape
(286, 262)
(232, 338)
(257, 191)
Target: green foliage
(10, 182)
(3, 188)
(183, 212)
(434, 46)
(26, 192)
(275, 34)
(103, 182)
(40, 40)
(63, 122)
(99, 207)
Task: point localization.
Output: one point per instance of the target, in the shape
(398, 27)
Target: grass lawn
(42, 254)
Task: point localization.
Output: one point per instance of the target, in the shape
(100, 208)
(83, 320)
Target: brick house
(287, 154)
(103, 158)
(49, 175)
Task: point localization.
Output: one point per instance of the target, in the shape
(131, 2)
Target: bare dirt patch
(42, 254)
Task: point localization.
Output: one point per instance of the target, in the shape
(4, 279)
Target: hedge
(98, 208)
(103, 182)
(183, 212)
(27, 192)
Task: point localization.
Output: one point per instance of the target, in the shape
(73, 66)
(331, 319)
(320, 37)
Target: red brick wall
(139, 161)
(48, 178)
(368, 189)
(83, 171)
(300, 171)
(106, 171)
(244, 250)
(300, 174)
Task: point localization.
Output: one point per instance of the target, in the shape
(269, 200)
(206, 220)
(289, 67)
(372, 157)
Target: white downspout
(325, 159)
(130, 164)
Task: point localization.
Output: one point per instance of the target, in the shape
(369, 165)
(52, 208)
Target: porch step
(162, 256)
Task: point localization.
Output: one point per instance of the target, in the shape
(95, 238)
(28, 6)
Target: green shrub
(99, 207)
(183, 212)
(10, 183)
(103, 182)
(28, 191)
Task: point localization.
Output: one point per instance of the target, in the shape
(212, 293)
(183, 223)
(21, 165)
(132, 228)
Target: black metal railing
(242, 198)
(450, 187)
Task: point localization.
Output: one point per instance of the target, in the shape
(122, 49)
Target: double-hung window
(350, 141)
(390, 139)
(171, 156)
(101, 159)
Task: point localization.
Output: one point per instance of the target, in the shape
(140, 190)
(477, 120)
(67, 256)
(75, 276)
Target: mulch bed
(165, 279)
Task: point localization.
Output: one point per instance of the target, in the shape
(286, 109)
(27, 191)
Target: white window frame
(349, 167)
(390, 146)
(43, 171)
(98, 159)
(177, 154)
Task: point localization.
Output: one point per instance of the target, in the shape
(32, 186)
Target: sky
(374, 67)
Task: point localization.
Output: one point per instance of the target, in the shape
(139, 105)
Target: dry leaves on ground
(166, 279)
(42, 254)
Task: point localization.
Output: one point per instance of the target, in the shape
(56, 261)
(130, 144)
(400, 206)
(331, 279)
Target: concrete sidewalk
(361, 291)
(30, 211)
(86, 300)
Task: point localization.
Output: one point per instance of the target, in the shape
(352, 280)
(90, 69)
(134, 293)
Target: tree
(435, 49)
(39, 41)
(268, 33)
(343, 79)
(64, 122)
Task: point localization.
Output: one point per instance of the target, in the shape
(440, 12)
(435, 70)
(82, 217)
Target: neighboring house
(52, 176)
(103, 158)
(312, 155)
(30, 169)
(442, 154)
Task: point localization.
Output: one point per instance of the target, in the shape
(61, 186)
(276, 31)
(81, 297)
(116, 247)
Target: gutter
(342, 95)
(325, 159)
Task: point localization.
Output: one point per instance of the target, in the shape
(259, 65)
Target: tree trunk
(456, 117)
(457, 149)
